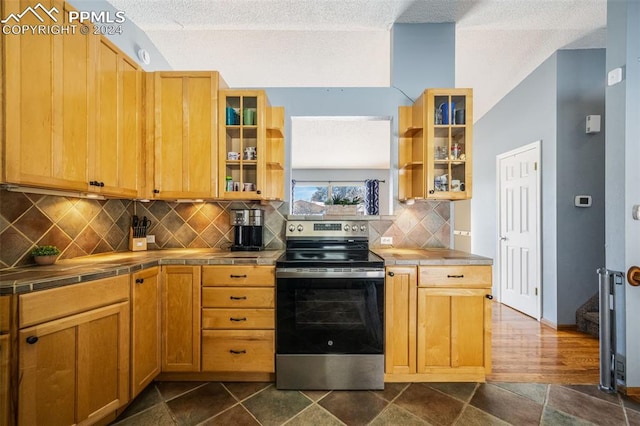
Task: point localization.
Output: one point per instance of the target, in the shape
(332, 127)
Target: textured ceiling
(498, 42)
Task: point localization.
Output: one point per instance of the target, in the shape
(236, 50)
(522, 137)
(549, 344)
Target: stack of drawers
(238, 318)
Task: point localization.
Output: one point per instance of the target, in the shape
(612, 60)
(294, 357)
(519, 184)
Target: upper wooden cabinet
(73, 110)
(435, 146)
(49, 111)
(115, 166)
(251, 149)
(185, 134)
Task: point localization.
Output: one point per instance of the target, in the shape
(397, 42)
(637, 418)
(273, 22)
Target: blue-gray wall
(580, 170)
(422, 53)
(433, 41)
(623, 173)
(525, 115)
(550, 105)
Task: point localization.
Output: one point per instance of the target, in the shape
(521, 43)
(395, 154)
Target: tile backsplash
(79, 227)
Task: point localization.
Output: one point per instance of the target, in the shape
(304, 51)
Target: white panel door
(519, 230)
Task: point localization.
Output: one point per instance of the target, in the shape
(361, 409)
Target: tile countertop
(434, 256)
(88, 268)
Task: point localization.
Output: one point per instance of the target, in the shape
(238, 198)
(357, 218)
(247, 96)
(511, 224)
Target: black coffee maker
(247, 234)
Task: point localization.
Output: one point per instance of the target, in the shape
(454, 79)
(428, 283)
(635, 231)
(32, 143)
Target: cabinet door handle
(238, 276)
(156, 191)
(238, 319)
(139, 280)
(238, 297)
(32, 339)
(455, 276)
(489, 296)
(391, 274)
(237, 352)
(258, 192)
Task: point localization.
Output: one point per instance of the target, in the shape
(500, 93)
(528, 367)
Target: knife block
(137, 244)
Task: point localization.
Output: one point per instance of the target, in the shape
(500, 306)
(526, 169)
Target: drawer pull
(489, 296)
(238, 297)
(32, 339)
(237, 352)
(391, 273)
(455, 276)
(139, 280)
(237, 319)
(238, 276)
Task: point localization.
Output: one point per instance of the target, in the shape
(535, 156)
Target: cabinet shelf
(412, 165)
(411, 131)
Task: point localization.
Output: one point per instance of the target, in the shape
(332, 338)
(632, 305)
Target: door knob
(633, 276)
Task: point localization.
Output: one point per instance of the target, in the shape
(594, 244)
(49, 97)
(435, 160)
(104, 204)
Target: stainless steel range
(329, 308)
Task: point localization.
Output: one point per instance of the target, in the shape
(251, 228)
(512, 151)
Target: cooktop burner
(328, 244)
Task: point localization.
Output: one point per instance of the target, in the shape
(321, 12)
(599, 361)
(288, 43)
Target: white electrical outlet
(151, 239)
(386, 240)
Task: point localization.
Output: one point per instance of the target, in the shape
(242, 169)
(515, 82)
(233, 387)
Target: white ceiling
(498, 42)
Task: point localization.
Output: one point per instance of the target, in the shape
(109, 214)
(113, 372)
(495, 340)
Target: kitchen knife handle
(238, 297)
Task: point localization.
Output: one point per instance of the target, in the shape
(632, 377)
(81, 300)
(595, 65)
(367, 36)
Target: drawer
(238, 319)
(237, 275)
(455, 276)
(47, 305)
(238, 297)
(238, 350)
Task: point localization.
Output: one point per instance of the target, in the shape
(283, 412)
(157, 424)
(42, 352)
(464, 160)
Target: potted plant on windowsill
(342, 206)
(45, 255)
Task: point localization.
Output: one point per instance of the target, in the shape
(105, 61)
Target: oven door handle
(329, 274)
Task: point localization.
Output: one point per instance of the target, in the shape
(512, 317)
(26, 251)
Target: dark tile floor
(406, 404)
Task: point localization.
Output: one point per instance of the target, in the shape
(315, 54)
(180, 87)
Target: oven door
(329, 312)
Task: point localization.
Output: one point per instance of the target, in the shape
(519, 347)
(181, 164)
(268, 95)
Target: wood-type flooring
(525, 350)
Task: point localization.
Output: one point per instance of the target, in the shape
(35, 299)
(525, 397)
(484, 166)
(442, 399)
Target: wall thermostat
(582, 201)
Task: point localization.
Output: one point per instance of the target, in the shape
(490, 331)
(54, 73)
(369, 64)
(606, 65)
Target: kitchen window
(320, 198)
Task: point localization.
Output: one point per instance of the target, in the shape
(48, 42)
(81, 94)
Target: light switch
(614, 76)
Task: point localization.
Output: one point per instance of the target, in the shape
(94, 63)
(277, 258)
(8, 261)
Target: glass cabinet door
(241, 146)
(449, 147)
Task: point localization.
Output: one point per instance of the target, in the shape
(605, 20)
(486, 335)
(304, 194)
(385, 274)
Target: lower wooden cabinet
(145, 328)
(74, 368)
(454, 332)
(401, 286)
(238, 319)
(438, 323)
(180, 318)
(5, 373)
(238, 351)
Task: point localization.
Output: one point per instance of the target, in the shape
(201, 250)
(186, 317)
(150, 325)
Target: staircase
(588, 316)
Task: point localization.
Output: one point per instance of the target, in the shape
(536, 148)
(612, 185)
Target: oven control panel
(326, 228)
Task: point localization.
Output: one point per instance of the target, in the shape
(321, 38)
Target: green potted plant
(45, 255)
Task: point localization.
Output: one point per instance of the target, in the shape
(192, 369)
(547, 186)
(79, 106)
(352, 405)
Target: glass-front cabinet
(251, 146)
(435, 140)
